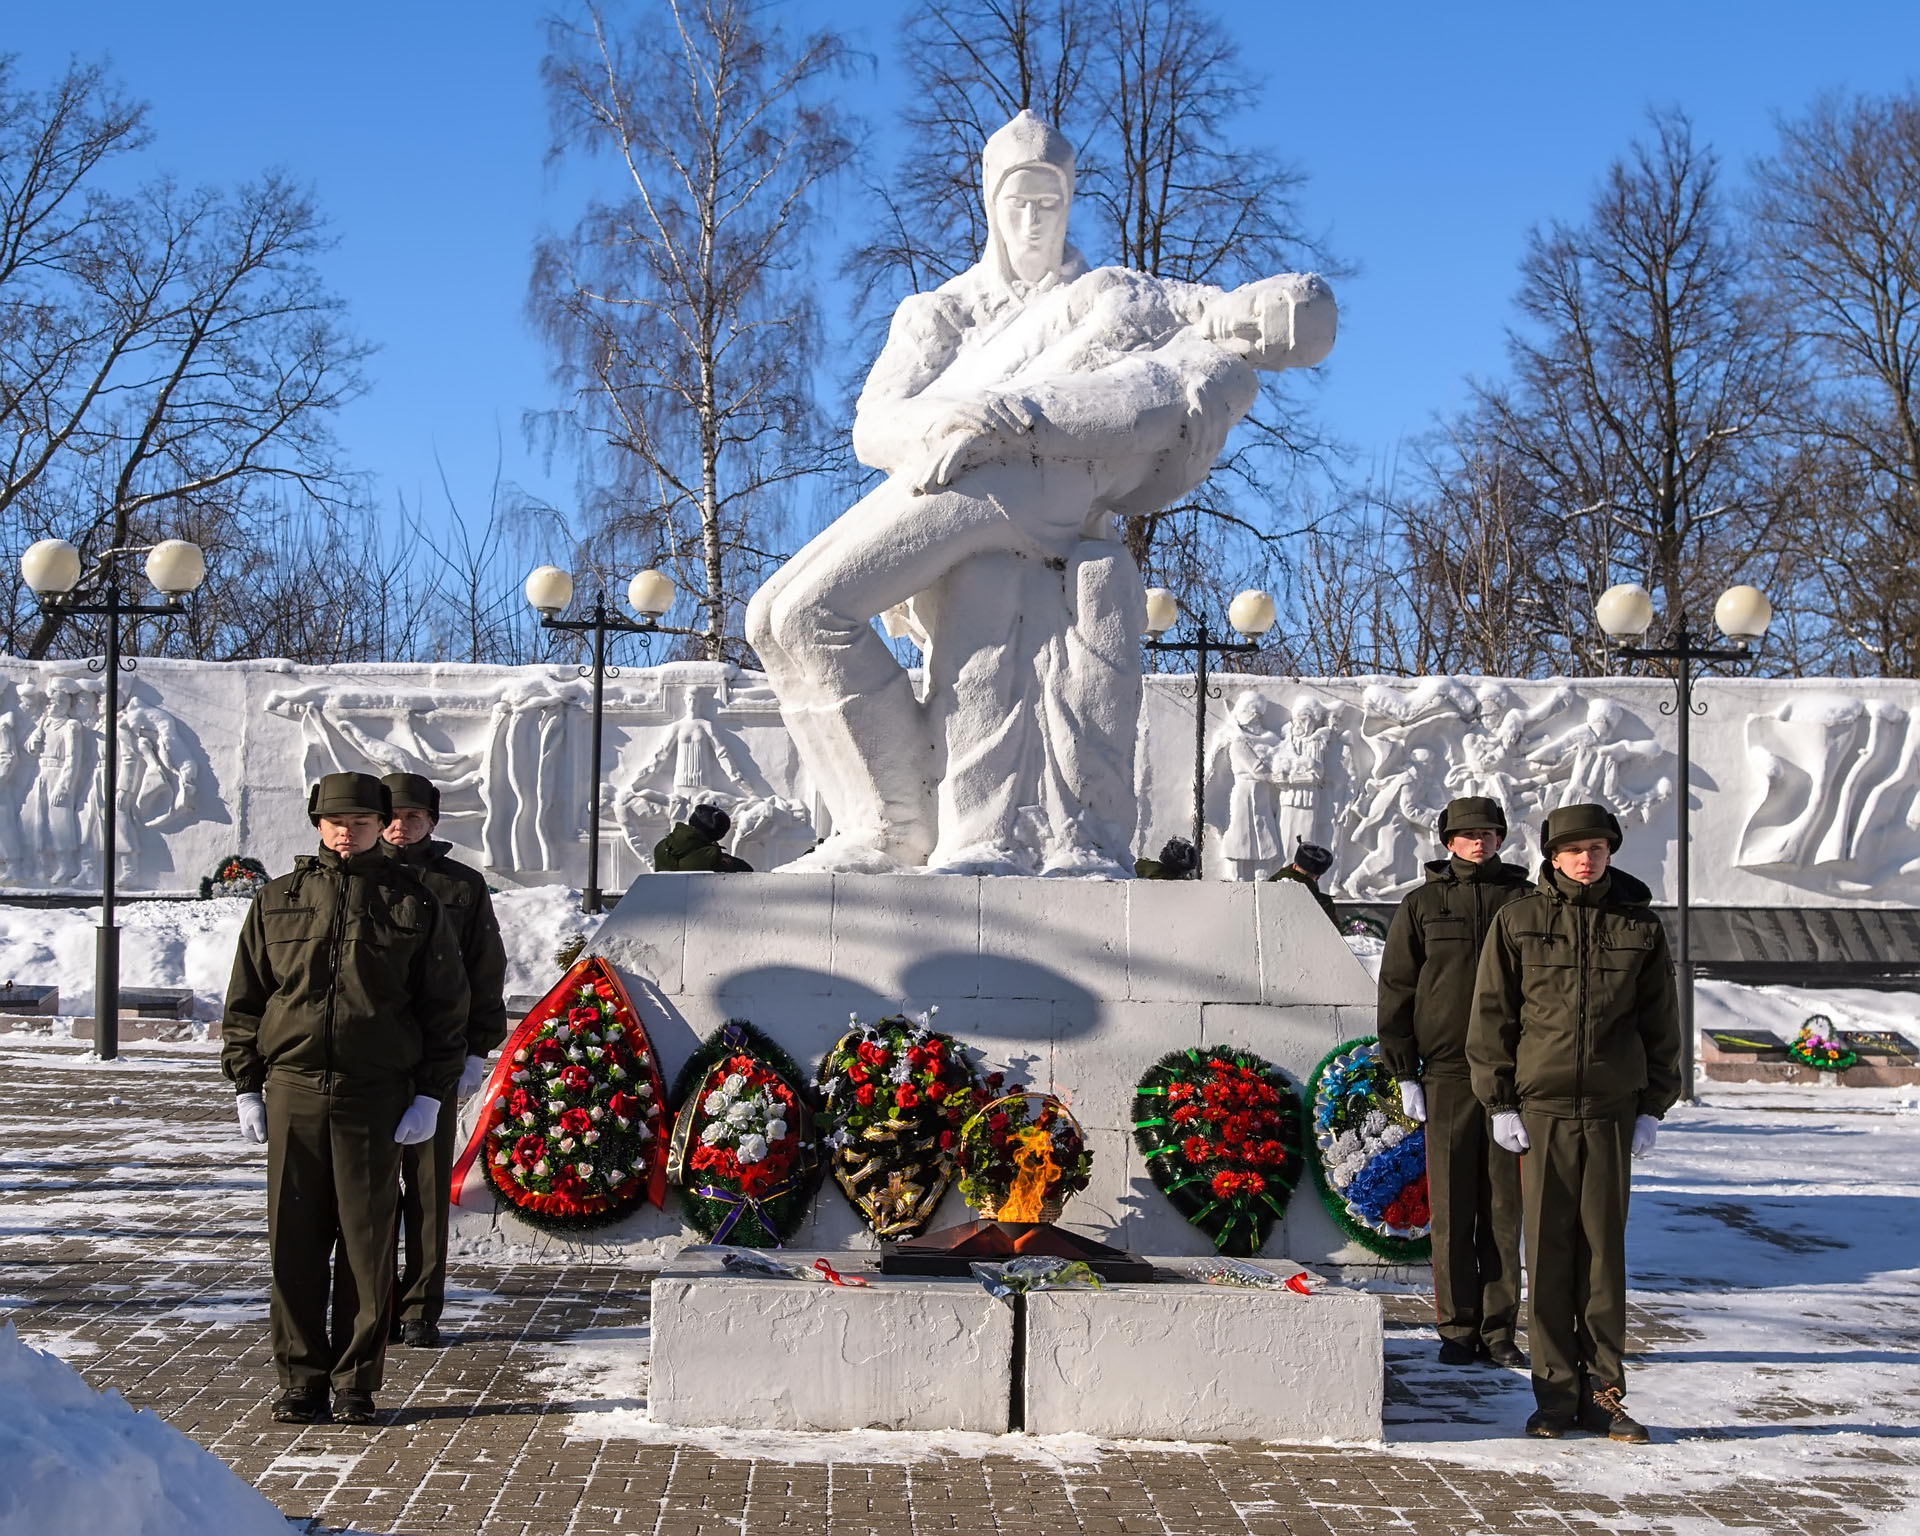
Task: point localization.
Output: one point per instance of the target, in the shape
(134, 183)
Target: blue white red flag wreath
(1220, 1130)
(744, 1153)
(1370, 1158)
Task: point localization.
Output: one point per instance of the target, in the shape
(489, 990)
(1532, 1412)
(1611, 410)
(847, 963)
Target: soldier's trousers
(1575, 1177)
(1474, 1187)
(426, 1189)
(333, 1175)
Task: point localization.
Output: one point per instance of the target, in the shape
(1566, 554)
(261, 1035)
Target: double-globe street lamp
(1742, 615)
(650, 594)
(52, 569)
(1252, 615)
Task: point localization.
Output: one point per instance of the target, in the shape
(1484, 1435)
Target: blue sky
(1434, 137)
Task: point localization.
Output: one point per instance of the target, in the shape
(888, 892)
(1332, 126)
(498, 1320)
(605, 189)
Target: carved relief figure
(1402, 809)
(1251, 846)
(1300, 769)
(1016, 410)
(1839, 788)
(63, 742)
(16, 778)
(1593, 761)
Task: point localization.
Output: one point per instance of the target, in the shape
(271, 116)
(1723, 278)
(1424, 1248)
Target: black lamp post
(549, 589)
(52, 569)
(1742, 614)
(1252, 614)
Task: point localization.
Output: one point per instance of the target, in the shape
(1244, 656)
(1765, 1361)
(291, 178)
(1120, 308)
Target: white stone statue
(66, 787)
(16, 777)
(1402, 810)
(1016, 411)
(1839, 789)
(1251, 846)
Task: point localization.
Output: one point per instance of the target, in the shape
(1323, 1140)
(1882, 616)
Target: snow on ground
(190, 944)
(81, 1460)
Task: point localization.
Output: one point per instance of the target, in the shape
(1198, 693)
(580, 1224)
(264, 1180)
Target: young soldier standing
(1426, 1004)
(342, 1034)
(426, 1168)
(1575, 1047)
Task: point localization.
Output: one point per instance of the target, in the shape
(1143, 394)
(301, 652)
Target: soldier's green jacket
(1575, 1014)
(347, 976)
(686, 849)
(1432, 956)
(1153, 869)
(462, 892)
(1288, 872)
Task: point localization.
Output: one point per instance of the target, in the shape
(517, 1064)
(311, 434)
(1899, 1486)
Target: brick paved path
(133, 1244)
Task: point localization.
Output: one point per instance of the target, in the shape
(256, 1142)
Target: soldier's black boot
(420, 1334)
(1604, 1411)
(1506, 1352)
(1548, 1426)
(1458, 1352)
(301, 1405)
(352, 1406)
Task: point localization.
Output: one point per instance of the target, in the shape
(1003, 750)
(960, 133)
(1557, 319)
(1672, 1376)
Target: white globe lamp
(549, 589)
(1252, 613)
(1743, 614)
(1625, 612)
(176, 567)
(1163, 610)
(650, 593)
(51, 567)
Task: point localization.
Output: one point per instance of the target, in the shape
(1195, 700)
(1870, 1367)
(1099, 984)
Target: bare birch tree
(678, 311)
(1837, 209)
(169, 358)
(1646, 385)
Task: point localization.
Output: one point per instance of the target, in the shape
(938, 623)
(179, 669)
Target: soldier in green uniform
(426, 1169)
(1426, 1002)
(694, 844)
(1310, 862)
(343, 1032)
(1575, 1047)
(1177, 861)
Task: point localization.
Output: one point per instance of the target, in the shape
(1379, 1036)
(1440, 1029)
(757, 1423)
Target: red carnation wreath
(573, 1132)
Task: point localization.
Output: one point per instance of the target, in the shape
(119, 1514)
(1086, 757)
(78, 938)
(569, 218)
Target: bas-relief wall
(1802, 791)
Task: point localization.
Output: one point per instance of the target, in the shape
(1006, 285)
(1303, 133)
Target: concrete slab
(1200, 1362)
(900, 1353)
(1302, 958)
(1190, 940)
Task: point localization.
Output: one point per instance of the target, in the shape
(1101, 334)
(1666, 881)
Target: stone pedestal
(1203, 1362)
(1161, 1361)
(1070, 986)
(749, 1352)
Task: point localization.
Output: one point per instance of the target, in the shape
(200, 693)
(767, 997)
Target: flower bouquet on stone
(1022, 1156)
(572, 1128)
(1820, 1046)
(235, 875)
(1220, 1132)
(1370, 1158)
(744, 1152)
(894, 1096)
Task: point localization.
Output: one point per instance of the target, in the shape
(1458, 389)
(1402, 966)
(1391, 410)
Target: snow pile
(79, 1460)
(190, 944)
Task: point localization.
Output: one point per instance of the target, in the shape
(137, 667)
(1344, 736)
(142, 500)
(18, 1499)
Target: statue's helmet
(1029, 140)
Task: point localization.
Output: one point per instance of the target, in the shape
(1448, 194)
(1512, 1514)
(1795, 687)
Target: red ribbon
(829, 1273)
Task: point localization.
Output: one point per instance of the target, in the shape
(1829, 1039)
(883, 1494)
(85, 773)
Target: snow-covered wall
(1803, 792)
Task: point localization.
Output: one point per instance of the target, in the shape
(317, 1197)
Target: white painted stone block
(1201, 1362)
(900, 1353)
(746, 934)
(1302, 958)
(914, 938)
(1053, 938)
(649, 929)
(1192, 940)
(1100, 1059)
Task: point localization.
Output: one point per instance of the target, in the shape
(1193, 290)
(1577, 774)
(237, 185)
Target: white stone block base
(751, 1353)
(1202, 1362)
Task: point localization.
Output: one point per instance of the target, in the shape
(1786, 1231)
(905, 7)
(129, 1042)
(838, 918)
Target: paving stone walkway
(132, 1243)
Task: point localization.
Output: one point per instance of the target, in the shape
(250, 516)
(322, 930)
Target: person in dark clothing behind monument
(1310, 862)
(1177, 861)
(1426, 1003)
(1575, 1047)
(426, 1168)
(694, 844)
(343, 1032)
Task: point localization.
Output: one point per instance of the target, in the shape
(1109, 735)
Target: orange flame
(1035, 1173)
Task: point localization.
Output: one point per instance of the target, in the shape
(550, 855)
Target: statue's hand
(974, 433)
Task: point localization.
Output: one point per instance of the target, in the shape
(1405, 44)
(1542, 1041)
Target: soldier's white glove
(252, 1110)
(1646, 1130)
(1509, 1132)
(471, 1077)
(416, 1124)
(1413, 1099)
